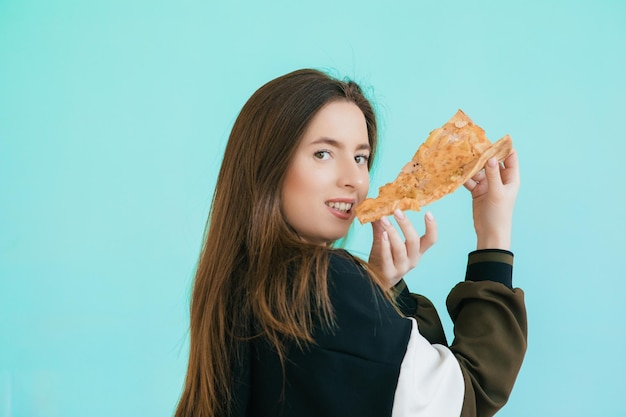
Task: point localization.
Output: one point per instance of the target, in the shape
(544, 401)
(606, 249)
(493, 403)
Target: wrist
(494, 242)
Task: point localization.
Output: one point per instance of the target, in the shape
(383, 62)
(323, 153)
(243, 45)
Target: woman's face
(328, 175)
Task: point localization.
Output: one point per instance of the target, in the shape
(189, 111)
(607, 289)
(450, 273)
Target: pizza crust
(450, 156)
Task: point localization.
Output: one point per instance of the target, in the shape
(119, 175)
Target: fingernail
(399, 214)
(492, 162)
(429, 216)
(385, 221)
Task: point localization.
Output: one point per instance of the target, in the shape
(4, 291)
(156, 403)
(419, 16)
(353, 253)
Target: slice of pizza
(450, 156)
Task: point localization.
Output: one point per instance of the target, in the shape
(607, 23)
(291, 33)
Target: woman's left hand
(394, 257)
(494, 191)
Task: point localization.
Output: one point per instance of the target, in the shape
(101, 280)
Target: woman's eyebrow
(337, 144)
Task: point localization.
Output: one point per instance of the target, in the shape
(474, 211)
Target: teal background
(114, 116)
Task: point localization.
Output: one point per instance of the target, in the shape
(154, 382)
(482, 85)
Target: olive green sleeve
(490, 332)
(422, 310)
(428, 321)
(490, 328)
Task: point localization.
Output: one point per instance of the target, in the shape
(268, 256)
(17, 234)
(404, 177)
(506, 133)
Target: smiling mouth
(342, 207)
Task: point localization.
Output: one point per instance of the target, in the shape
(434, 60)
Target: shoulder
(365, 322)
(348, 277)
(352, 291)
(341, 261)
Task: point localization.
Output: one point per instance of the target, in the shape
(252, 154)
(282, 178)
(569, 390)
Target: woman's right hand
(393, 256)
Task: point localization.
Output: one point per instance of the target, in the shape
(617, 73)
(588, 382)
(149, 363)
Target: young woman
(284, 324)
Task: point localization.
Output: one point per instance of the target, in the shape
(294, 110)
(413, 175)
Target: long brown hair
(255, 277)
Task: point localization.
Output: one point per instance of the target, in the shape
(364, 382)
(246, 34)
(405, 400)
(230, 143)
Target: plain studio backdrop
(113, 120)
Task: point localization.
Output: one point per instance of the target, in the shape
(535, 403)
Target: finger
(431, 233)
(411, 237)
(492, 173)
(398, 248)
(510, 174)
(377, 229)
(381, 240)
(470, 184)
(479, 176)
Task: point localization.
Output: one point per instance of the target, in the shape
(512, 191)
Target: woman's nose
(352, 175)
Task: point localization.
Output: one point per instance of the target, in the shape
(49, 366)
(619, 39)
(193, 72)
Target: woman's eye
(362, 159)
(322, 154)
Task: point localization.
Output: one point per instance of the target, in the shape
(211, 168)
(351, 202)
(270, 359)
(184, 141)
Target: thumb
(492, 172)
(377, 229)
